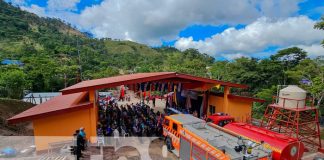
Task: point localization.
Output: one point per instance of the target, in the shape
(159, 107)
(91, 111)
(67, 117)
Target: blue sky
(223, 29)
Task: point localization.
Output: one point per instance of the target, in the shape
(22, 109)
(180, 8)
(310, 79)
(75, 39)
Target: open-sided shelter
(77, 107)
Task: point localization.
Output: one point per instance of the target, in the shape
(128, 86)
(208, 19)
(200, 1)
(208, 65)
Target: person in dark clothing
(109, 131)
(153, 101)
(79, 144)
(135, 119)
(84, 140)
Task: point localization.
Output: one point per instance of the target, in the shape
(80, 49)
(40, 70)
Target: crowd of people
(114, 120)
(128, 120)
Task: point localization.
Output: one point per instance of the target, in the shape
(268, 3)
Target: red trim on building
(141, 78)
(212, 81)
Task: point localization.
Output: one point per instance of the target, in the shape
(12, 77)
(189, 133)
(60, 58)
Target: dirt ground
(9, 108)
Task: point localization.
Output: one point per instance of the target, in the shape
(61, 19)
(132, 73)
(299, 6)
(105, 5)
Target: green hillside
(49, 49)
(56, 55)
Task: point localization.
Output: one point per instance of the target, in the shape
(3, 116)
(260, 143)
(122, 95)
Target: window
(175, 127)
(212, 109)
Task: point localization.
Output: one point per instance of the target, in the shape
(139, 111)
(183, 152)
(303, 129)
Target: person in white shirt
(116, 136)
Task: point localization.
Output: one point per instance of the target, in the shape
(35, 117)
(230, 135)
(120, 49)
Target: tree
(270, 72)
(320, 25)
(107, 72)
(219, 70)
(266, 94)
(68, 73)
(244, 70)
(290, 56)
(312, 71)
(14, 81)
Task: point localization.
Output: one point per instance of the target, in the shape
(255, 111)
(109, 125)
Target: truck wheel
(168, 143)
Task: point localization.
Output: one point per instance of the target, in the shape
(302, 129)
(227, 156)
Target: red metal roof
(140, 78)
(58, 104)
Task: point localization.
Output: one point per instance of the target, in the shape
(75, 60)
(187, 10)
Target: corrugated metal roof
(11, 62)
(43, 94)
(54, 105)
(141, 78)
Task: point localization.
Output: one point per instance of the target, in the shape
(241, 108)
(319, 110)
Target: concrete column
(93, 116)
(226, 93)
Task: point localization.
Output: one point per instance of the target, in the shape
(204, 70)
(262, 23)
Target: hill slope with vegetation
(56, 55)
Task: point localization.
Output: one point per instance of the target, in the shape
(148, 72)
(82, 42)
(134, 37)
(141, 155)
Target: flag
(122, 91)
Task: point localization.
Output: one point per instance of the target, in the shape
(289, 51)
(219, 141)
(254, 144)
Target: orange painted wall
(216, 101)
(60, 125)
(241, 110)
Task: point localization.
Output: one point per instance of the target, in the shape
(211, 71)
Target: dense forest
(56, 55)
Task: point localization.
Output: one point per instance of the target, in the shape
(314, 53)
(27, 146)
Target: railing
(37, 99)
(299, 102)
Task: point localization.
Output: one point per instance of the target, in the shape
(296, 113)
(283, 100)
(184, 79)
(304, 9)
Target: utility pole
(79, 78)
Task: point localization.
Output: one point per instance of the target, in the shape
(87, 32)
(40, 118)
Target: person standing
(153, 101)
(79, 144)
(82, 132)
(84, 140)
(147, 99)
(116, 136)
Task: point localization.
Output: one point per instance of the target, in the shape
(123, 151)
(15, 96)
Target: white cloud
(62, 5)
(313, 50)
(55, 9)
(40, 11)
(150, 21)
(17, 2)
(233, 56)
(257, 36)
(279, 8)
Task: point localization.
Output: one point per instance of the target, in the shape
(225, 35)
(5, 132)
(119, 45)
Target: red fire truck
(282, 146)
